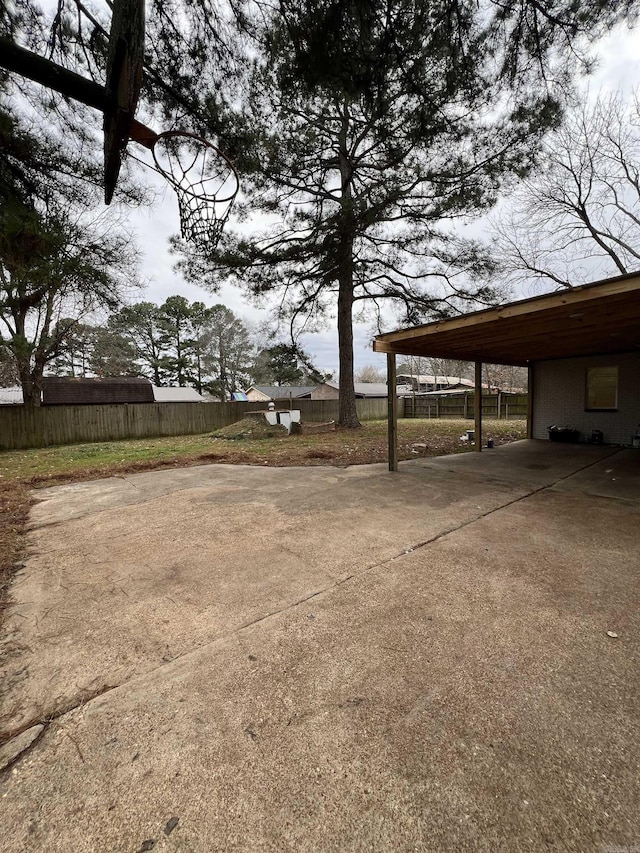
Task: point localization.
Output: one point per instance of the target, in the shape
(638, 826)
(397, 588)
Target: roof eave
(479, 336)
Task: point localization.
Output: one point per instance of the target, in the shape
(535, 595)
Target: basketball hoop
(203, 178)
(204, 181)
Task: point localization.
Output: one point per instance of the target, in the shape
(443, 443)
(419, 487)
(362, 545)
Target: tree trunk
(224, 384)
(31, 384)
(179, 358)
(199, 379)
(31, 390)
(348, 415)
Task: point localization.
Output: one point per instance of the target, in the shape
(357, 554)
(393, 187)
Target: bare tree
(370, 373)
(505, 377)
(441, 367)
(437, 368)
(580, 218)
(502, 376)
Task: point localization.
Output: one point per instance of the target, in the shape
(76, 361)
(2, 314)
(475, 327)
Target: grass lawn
(67, 463)
(21, 470)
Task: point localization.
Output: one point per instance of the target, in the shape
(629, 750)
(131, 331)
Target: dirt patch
(15, 501)
(250, 428)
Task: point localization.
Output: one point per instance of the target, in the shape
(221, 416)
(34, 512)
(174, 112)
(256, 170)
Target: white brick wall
(559, 397)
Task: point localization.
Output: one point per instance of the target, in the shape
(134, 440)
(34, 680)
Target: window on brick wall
(602, 389)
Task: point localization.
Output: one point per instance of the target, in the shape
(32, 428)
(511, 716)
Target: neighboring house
(84, 391)
(364, 390)
(11, 396)
(176, 394)
(452, 392)
(102, 390)
(428, 382)
(264, 393)
(581, 347)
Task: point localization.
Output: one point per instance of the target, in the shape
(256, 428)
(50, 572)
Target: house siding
(254, 396)
(363, 390)
(559, 397)
(325, 392)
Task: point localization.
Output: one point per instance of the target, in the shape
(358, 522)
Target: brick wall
(559, 397)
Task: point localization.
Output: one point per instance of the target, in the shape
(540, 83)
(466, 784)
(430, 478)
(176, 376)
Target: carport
(587, 322)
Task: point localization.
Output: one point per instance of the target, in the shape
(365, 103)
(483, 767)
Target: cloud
(619, 62)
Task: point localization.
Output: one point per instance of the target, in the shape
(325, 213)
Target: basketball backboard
(124, 81)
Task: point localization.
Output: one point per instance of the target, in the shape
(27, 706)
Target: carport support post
(478, 406)
(392, 411)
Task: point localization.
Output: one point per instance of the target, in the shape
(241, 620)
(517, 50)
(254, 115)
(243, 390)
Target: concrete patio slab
(616, 476)
(125, 576)
(463, 695)
(526, 464)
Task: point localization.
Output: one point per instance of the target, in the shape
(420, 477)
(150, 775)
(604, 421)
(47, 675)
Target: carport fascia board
(419, 339)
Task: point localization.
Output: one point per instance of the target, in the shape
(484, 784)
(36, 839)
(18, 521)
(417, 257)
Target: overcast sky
(619, 67)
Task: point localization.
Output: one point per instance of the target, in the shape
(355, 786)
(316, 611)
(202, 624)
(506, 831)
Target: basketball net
(203, 178)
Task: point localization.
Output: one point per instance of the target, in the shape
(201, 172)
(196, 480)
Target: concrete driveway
(236, 658)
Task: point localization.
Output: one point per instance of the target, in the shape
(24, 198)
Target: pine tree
(371, 128)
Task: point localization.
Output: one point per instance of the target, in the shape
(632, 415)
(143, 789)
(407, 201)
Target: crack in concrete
(86, 698)
(51, 717)
(26, 750)
(481, 515)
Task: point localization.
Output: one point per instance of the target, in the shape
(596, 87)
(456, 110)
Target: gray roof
(175, 394)
(282, 392)
(429, 379)
(11, 396)
(366, 389)
(95, 390)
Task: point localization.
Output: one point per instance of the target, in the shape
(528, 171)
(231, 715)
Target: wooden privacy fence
(501, 406)
(48, 425)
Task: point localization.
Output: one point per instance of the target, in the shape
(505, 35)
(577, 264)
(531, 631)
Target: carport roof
(598, 318)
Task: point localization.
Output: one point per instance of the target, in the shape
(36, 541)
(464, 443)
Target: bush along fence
(21, 428)
(500, 406)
